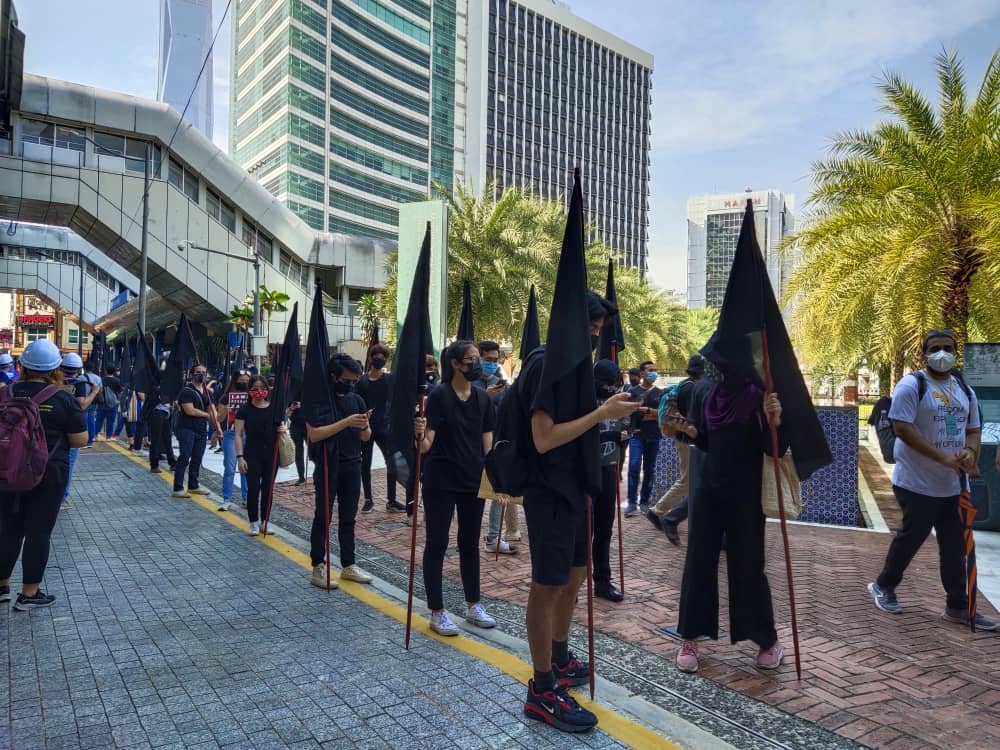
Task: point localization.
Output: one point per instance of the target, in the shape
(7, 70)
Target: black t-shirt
(648, 429)
(200, 401)
(349, 440)
(81, 388)
(61, 416)
(455, 460)
(259, 430)
(377, 394)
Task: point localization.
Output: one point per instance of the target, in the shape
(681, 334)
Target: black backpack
(884, 430)
(509, 464)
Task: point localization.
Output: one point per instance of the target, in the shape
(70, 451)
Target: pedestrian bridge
(75, 156)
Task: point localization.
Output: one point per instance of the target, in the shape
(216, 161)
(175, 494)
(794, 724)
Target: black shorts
(557, 535)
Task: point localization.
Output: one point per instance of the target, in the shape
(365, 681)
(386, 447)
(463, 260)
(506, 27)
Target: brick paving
(175, 630)
(908, 681)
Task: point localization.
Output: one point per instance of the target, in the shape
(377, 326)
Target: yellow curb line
(611, 723)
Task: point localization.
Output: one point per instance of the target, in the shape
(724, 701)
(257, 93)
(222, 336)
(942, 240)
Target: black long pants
(604, 524)
(298, 433)
(137, 434)
(159, 439)
(345, 488)
(920, 514)
(735, 512)
(439, 508)
(260, 485)
(26, 523)
(381, 439)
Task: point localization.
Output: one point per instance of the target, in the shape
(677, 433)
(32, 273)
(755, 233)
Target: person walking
(157, 418)
(254, 439)
(455, 436)
(730, 423)
(108, 417)
(92, 412)
(28, 518)
(341, 439)
(672, 509)
(192, 432)
(375, 388)
(644, 447)
(233, 399)
(936, 418)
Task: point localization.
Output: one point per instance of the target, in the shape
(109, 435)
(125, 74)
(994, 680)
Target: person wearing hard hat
(84, 392)
(8, 374)
(28, 517)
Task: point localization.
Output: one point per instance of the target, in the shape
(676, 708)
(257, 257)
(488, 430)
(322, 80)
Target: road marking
(611, 723)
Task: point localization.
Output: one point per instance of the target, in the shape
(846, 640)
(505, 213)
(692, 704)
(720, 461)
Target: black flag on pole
(317, 396)
(145, 374)
(288, 373)
(182, 355)
(531, 337)
(466, 330)
(612, 340)
(409, 366)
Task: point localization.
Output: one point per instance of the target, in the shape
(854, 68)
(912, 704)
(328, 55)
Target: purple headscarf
(733, 400)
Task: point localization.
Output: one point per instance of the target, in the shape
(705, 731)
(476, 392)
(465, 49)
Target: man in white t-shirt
(936, 420)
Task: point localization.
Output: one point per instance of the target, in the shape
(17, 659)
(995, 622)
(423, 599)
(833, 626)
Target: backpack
(884, 429)
(110, 397)
(509, 463)
(24, 451)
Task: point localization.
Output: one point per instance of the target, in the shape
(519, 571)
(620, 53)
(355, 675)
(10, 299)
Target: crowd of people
(719, 416)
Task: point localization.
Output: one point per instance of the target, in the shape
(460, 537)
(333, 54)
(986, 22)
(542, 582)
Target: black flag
(612, 340)
(145, 374)
(466, 331)
(182, 356)
(531, 337)
(288, 373)
(125, 371)
(748, 307)
(409, 365)
(317, 396)
(568, 368)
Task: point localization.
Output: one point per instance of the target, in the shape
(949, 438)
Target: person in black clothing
(338, 438)
(375, 388)
(455, 435)
(255, 436)
(297, 424)
(729, 424)
(27, 518)
(109, 416)
(157, 418)
(634, 378)
(192, 431)
(607, 382)
(644, 447)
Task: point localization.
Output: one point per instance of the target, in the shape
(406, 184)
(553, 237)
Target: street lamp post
(79, 333)
(144, 268)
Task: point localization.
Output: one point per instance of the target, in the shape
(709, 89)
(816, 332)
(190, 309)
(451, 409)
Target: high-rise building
(185, 42)
(713, 228)
(547, 92)
(344, 109)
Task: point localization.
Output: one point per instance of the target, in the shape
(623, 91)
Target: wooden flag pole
(413, 524)
(590, 592)
(503, 512)
(274, 475)
(768, 390)
(326, 509)
(618, 496)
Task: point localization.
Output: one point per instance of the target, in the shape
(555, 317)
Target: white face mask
(941, 361)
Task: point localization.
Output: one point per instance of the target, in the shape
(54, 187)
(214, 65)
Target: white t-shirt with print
(942, 417)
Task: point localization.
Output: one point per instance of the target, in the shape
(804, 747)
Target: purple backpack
(24, 452)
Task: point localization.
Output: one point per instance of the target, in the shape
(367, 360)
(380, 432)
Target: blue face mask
(8, 376)
(652, 375)
(490, 368)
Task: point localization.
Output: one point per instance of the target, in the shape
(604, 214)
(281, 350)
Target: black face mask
(378, 362)
(343, 387)
(241, 386)
(432, 376)
(594, 341)
(605, 391)
(199, 377)
(473, 372)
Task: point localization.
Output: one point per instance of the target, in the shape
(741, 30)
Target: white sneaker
(356, 574)
(254, 529)
(442, 624)
(505, 549)
(223, 506)
(318, 578)
(142, 453)
(478, 616)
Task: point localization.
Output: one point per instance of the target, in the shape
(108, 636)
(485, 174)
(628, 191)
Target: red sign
(6, 335)
(29, 320)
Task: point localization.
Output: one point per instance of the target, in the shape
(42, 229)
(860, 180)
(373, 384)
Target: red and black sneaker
(573, 674)
(557, 708)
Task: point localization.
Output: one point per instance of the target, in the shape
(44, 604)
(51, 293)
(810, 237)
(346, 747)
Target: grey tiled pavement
(173, 629)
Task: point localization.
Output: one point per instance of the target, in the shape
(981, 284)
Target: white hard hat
(6, 359)
(72, 361)
(41, 356)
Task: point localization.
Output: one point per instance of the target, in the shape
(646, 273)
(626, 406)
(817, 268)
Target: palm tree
(369, 310)
(241, 316)
(271, 301)
(905, 234)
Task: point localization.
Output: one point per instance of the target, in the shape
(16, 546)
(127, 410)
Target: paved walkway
(909, 681)
(173, 629)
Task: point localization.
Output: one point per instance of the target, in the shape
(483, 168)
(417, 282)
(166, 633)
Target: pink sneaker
(770, 658)
(687, 657)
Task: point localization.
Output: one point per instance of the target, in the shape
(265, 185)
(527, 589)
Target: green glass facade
(345, 108)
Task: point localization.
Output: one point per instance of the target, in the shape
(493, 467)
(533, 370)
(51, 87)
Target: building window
(35, 333)
(183, 179)
(75, 336)
(222, 211)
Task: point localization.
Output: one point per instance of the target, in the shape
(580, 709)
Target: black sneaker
(394, 506)
(608, 591)
(573, 674)
(654, 519)
(36, 600)
(4, 594)
(670, 529)
(368, 507)
(960, 616)
(557, 708)
(885, 598)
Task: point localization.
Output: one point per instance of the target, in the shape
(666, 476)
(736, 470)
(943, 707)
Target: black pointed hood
(288, 373)
(531, 337)
(317, 396)
(466, 330)
(612, 341)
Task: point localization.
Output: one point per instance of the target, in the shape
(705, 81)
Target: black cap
(635, 371)
(696, 365)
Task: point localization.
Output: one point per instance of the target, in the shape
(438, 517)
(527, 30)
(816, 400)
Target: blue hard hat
(41, 356)
(72, 361)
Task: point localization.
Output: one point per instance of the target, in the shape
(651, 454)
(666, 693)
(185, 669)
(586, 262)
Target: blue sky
(744, 94)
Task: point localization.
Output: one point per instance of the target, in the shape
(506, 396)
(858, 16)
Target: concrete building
(548, 91)
(185, 41)
(713, 228)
